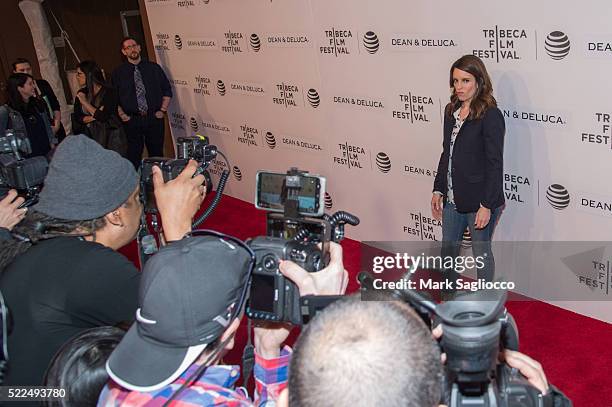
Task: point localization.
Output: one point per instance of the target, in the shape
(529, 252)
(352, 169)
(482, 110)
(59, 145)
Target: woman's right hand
(436, 206)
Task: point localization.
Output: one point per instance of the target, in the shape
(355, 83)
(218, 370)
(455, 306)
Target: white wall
(384, 107)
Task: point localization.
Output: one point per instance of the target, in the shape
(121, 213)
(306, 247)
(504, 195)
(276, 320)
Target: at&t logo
(313, 98)
(237, 173)
(221, 87)
(370, 42)
(270, 140)
(329, 203)
(194, 124)
(557, 196)
(255, 42)
(557, 45)
(178, 43)
(383, 162)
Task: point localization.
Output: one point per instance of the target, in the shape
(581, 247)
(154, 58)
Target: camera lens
(269, 262)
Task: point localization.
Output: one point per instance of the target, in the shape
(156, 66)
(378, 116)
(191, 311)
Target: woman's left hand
(81, 96)
(482, 218)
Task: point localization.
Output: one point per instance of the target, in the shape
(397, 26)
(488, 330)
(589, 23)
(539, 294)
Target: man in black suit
(144, 95)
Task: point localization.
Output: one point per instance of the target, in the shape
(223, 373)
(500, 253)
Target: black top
(478, 162)
(36, 129)
(106, 101)
(156, 86)
(46, 92)
(57, 289)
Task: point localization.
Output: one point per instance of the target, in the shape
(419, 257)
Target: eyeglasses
(131, 46)
(237, 242)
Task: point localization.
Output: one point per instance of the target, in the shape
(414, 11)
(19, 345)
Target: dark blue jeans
(453, 226)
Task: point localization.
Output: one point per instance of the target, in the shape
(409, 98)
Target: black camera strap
(248, 356)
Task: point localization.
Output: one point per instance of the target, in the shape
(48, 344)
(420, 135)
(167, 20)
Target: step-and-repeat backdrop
(355, 91)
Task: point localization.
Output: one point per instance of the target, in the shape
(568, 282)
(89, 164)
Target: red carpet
(574, 350)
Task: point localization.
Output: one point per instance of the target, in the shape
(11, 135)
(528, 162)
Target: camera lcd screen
(272, 193)
(263, 294)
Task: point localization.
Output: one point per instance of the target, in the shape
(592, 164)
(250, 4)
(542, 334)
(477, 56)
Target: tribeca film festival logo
(414, 108)
(190, 3)
(517, 188)
(202, 85)
(249, 136)
(217, 167)
(177, 121)
(601, 136)
(221, 87)
(423, 227)
(370, 42)
(350, 156)
(535, 118)
(234, 43)
(161, 42)
(592, 269)
(383, 162)
(502, 44)
(557, 196)
(362, 102)
(287, 95)
(337, 42)
(287, 40)
(270, 140)
(329, 203)
(557, 45)
(418, 42)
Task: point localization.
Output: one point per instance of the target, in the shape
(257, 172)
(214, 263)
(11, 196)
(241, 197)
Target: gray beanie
(85, 181)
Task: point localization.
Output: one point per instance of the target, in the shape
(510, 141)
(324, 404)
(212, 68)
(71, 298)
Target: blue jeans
(453, 226)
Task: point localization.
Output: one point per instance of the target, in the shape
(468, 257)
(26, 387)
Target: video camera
(297, 230)
(195, 148)
(26, 175)
(187, 148)
(476, 326)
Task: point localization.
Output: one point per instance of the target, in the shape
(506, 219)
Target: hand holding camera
(179, 199)
(332, 280)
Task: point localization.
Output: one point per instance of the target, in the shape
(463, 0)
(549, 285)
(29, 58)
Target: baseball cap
(190, 291)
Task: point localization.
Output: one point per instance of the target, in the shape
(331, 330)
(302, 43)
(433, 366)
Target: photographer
(192, 297)
(61, 275)
(378, 353)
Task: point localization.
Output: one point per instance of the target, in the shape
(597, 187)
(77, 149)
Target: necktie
(141, 98)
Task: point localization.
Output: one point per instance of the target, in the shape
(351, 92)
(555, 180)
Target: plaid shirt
(215, 387)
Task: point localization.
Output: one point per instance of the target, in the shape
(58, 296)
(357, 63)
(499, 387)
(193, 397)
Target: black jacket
(478, 162)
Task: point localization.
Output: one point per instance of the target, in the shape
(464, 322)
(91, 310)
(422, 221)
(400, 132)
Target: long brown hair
(483, 98)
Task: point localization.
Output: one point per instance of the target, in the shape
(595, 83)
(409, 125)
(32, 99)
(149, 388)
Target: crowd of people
(85, 319)
(123, 112)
